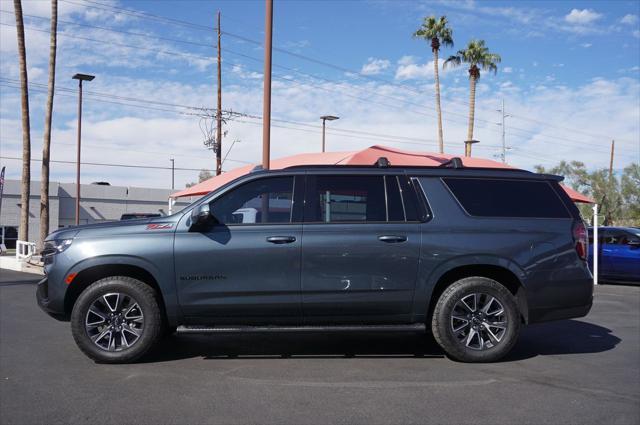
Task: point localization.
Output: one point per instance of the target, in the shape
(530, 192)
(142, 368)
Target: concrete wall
(97, 203)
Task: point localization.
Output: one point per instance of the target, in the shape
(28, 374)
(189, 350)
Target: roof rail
(454, 162)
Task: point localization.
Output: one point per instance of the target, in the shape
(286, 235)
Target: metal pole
(595, 252)
(78, 152)
(504, 145)
(324, 120)
(219, 112)
(173, 171)
(266, 107)
(613, 145)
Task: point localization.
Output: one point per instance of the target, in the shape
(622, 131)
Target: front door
(244, 267)
(360, 252)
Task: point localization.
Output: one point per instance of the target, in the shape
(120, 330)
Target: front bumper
(46, 304)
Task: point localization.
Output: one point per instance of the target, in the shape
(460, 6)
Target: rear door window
(507, 198)
(348, 198)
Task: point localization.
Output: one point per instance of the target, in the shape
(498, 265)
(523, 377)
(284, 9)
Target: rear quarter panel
(539, 252)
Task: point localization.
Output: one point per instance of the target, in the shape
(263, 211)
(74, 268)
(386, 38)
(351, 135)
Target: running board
(416, 327)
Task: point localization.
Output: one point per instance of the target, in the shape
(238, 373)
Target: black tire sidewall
(442, 314)
(146, 299)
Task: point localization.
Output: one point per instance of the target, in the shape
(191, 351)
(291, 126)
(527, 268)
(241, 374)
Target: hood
(114, 227)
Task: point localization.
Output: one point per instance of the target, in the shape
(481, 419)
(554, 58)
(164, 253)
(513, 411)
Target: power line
(577, 143)
(580, 143)
(137, 34)
(336, 67)
(113, 43)
(138, 14)
(106, 164)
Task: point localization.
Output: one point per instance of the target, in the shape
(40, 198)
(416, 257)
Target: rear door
(360, 250)
(621, 256)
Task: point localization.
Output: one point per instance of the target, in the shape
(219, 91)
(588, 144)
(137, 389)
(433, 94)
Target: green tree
(630, 188)
(438, 32)
(478, 57)
(618, 198)
(202, 176)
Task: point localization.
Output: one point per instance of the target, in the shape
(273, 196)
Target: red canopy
(367, 156)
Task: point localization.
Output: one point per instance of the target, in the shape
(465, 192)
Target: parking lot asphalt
(583, 371)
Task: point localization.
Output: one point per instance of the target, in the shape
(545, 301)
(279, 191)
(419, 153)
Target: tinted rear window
(507, 198)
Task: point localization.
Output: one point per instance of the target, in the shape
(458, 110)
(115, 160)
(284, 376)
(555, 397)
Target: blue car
(618, 254)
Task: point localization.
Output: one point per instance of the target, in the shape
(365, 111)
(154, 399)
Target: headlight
(55, 246)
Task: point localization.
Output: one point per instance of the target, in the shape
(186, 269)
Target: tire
(476, 336)
(109, 334)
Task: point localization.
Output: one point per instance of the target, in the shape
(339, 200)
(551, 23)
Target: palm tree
(439, 33)
(23, 232)
(478, 57)
(46, 146)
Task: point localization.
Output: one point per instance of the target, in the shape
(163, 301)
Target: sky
(569, 78)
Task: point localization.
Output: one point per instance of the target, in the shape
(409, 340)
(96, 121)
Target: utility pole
(173, 171)
(503, 155)
(219, 112)
(266, 102)
(613, 145)
(80, 78)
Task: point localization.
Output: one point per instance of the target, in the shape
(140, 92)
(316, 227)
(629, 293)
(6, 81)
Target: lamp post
(324, 119)
(173, 171)
(467, 146)
(80, 78)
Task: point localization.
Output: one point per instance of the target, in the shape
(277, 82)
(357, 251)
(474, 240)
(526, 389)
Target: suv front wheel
(116, 320)
(476, 319)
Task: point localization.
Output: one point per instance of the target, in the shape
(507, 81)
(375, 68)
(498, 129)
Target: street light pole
(173, 171)
(80, 78)
(324, 119)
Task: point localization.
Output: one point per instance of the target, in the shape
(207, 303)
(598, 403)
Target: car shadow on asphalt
(562, 337)
(553, 338)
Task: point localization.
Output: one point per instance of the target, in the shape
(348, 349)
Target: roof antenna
(383, 162)
(454, 162)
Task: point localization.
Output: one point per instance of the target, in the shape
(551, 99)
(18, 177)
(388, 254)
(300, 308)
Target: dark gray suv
(470, 254)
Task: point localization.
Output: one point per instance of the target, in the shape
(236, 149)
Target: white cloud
(507, 70)
(636, 33)
(629, 19)
(586, 45)
(409, 69)
(241, 72)
(582, 17)
(374, 66)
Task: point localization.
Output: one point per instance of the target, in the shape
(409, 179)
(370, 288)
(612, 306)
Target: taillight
(581, 239)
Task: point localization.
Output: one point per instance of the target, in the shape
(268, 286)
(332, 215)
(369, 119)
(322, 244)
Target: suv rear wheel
(476, 319)
(116, 320)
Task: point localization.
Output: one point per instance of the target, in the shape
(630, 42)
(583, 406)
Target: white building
(97, 203)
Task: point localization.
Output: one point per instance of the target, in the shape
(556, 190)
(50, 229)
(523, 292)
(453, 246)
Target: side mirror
(634, 244)
(200, 215)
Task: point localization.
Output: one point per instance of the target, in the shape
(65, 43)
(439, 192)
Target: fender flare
(167, 286)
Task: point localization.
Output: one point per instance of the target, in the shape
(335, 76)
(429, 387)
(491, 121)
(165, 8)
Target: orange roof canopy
(367, 156)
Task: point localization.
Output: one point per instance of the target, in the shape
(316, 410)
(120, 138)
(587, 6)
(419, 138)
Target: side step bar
(415, 327)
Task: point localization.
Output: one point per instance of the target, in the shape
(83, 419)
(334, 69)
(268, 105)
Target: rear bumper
(45, 303)
(547, 314)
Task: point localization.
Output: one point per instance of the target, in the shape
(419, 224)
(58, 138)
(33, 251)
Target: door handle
(281, 239)
(392, 238)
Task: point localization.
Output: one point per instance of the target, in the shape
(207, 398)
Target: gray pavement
(584, 371)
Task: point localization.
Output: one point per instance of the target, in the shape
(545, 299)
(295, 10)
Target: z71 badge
(159, 226)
